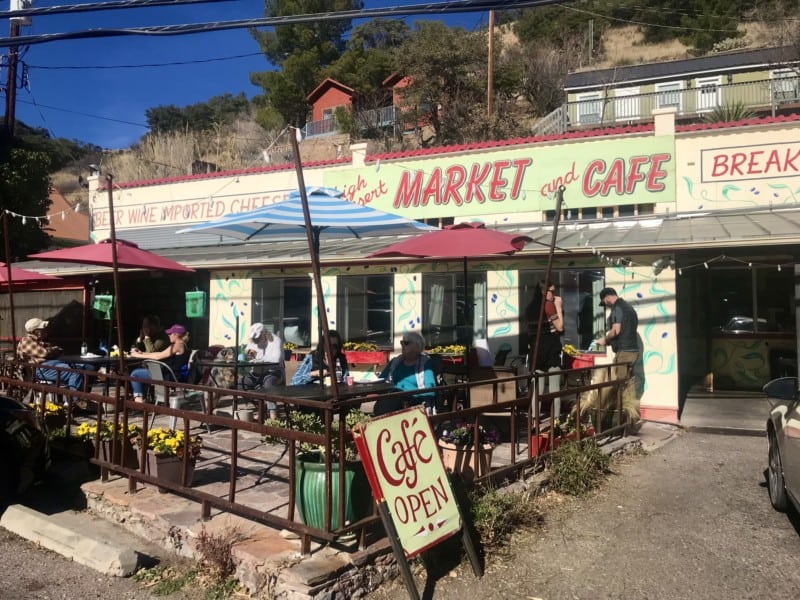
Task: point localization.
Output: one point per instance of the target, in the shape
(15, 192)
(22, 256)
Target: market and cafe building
(696, 226)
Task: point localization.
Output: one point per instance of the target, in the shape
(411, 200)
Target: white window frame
(665, 90)
(702, 84)
(586, 101)
(627, 104)
(785, 85)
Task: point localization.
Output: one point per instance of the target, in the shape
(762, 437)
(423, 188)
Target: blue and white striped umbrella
(331, 216)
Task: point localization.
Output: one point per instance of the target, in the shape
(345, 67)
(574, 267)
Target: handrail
(115, 408)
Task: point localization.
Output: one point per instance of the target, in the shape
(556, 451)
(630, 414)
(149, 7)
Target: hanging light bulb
(680, 271)
(378, 165)
(298, 135)
(24, 220)
(705, 264)
(779, 268)
(63, 215)
(749, 265)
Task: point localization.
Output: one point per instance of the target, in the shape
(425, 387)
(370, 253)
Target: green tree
(24, 190)
(201, 116)
(301, 51)
(447, 67)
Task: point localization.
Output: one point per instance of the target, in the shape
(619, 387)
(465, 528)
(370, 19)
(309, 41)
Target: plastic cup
(349, 380)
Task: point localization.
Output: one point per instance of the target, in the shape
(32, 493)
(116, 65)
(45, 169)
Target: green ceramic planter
(309, 490)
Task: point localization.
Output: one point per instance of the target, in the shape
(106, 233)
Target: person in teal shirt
(411, 370)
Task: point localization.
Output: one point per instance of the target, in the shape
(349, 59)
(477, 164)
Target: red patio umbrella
(129, 256)
(21, 275)
(463, 240)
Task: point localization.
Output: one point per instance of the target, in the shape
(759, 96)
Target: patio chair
(172, 397)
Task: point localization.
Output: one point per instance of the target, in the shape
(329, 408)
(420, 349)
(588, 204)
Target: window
(365, 309)
(670, 94)
(760, 299)
(284, 306)
(579, 290)
(590, 108)
(785, 85)
(439, 221)
(708, 93)
(626, 104)
(451, 315)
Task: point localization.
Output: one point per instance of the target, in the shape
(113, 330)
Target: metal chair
(172, 397)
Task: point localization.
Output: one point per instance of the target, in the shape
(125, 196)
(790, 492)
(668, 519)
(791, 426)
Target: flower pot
(309, 491)
(108, 451)
(542, 443)
(461, 459)
(54, 421)
(367, 357)
(168, 468)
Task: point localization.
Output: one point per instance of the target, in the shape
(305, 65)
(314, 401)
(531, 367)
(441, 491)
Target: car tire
(775, 483)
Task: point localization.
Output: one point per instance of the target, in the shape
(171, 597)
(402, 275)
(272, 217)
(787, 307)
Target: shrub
(577, 468)
(215, 553)
(498, 514)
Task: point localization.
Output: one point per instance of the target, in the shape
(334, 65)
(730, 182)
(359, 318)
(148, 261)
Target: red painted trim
(664, 415)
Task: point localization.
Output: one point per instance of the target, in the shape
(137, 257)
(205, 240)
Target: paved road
(690, 520)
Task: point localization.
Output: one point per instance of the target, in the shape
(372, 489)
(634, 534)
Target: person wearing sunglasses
(308, 371)
(411, 370)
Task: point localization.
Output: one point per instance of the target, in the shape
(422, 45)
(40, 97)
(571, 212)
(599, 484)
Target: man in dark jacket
(623, 337)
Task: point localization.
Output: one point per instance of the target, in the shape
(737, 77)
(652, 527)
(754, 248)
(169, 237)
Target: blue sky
(106, 106)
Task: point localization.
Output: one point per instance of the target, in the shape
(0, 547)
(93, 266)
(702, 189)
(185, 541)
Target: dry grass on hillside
(624, 46)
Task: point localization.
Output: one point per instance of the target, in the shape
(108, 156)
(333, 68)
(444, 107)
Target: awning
(651, 234)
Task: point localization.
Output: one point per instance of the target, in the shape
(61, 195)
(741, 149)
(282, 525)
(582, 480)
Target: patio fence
(236, 458)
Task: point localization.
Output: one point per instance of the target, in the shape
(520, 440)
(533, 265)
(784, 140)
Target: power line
(645, 24)
(83, 114)
(446, 7)
(149, 65)
(96, 6)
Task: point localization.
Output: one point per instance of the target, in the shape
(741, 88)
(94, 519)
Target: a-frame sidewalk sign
(410, 485)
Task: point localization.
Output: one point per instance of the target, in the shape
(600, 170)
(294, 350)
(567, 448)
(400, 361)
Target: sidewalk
(264, 556)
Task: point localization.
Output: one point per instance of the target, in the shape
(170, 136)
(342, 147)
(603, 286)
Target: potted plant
(568, 355)
(365, 353)
(453, 353)
(166, 451)
(559, 432)
(457, 445)
(309, 485)
(288, 350)
(111, 445)
(53, 415)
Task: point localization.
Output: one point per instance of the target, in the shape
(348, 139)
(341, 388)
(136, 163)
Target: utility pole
(13, 59)
(490, 69)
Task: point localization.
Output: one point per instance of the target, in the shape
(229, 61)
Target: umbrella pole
(7, 245)
(548, 270)
(466, 324)
(115, 272)
(312, 237)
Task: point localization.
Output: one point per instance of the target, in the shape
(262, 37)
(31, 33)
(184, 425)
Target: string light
(42, 218)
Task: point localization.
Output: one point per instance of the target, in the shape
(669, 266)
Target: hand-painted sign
(595, 173)
(405, 470)
(743, 163)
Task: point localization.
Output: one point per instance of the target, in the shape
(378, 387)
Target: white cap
(256, 330)
(32, 325)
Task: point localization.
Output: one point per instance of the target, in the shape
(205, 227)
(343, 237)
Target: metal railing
(239, 455)
(378, 118)
(763, 96)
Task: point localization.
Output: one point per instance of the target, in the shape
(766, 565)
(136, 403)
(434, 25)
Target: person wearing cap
(34, 349)
(623, 337)
(265, 349)
(175, 356)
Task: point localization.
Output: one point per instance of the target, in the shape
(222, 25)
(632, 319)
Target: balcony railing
(379, 118)
(765, 96)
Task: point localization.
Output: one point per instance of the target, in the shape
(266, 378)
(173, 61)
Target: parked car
(23, 447)
(783, 434)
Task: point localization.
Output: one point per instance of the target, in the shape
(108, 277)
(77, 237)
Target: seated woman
(266, 349)
(175, 356)
(308, 371)
(411, 370)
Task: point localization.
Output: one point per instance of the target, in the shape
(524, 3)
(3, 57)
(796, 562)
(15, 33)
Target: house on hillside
(766, 81)
(330, 95)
